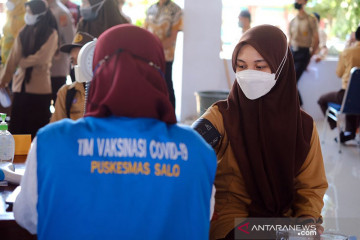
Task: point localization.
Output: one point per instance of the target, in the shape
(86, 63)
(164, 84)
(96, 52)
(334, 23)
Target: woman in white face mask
(31, 55)
(98, 16)
(269, 159)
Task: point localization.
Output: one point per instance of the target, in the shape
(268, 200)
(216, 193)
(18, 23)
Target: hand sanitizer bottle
(7, 143)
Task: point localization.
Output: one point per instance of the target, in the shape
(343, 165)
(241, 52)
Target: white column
(202, 68)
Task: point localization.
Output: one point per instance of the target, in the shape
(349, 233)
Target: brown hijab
(109, 16)
(270, 136)
(130, 81)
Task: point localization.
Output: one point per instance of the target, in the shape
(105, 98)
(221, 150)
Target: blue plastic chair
(350, 104)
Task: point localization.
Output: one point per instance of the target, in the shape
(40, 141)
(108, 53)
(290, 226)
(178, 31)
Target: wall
(202, 68)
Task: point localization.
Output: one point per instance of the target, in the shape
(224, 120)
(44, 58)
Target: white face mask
(31, 19)
(10, 5)
(87, 12)
(256, 84)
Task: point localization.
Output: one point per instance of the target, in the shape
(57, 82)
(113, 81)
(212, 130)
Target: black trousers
(352, 121)
(301, 60)
(56, 83)
(169, 82)
(29, 113)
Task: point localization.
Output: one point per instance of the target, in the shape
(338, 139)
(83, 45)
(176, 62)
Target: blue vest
(123, 178)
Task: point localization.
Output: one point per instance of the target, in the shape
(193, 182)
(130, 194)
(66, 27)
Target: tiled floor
(341, 211)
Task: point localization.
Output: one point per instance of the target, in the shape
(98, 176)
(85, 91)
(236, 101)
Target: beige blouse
(40, 61)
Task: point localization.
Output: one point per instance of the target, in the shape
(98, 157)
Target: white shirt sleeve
(212, 202)
(25, 211)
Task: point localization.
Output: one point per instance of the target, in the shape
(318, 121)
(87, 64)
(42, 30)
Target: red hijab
(130, 82)
(270, 136)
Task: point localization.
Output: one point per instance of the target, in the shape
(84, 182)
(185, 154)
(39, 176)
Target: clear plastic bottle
(5, 99)
(7, 143)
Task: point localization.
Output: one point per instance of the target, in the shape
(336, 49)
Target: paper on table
(11, 175)
(12, 197)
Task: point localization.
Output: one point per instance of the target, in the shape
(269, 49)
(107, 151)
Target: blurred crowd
(40, 46)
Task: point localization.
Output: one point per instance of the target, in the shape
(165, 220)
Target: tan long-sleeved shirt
(40, 61)
(348, 59)
(232, 198)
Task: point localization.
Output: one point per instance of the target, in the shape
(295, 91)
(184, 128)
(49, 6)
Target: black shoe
(346, 136)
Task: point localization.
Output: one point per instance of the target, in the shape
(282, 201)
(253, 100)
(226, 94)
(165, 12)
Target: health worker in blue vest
(126, 170)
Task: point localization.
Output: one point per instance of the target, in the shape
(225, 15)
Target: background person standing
(244, 20)
(31, 83)
(164, 19)
(304, 37)
(61, 61)
(98, 16)
(13, 24)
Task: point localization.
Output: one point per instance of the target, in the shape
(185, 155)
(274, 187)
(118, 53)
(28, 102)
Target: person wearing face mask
(269, 157)
(244, 20)
(303, 38)
(71, 98)
(14, 22)
(98, 16)
(32, 53)
(144, 177)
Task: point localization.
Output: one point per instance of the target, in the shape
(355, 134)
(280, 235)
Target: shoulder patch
(63, 22)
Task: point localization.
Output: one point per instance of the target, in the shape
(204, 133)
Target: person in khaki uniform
(244, 20)
(304, 38)
(77, 105)
(31, 82)
(348, 59)
(61, 61)
(71, 98)
(269, 157)
(164, 19)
